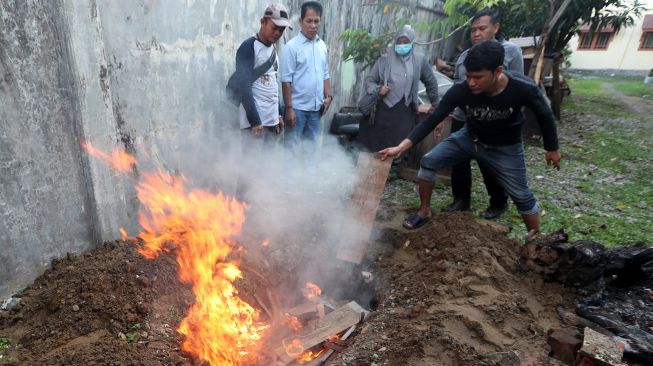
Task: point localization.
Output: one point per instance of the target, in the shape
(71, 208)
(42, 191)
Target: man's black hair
(317, 7)
(487, 55)
(492, 13)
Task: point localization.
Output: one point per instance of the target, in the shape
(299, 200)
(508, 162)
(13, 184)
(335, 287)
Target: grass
(635, 87)
(593, 87)
(590, 96)
(4, 344)
(132, 334)
(603, 192)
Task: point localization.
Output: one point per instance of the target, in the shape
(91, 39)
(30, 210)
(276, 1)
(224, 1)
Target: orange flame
(309, 356)
(292, 322)
(123, 233)
(333, 338)
(119, 160)
(312, 290)
(265, 243)
(219, 328)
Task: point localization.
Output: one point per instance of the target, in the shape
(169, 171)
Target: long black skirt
(391, 125)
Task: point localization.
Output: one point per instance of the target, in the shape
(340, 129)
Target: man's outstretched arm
(546, 120)
(447, 104)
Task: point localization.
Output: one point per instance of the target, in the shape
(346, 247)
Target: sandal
(414, 221)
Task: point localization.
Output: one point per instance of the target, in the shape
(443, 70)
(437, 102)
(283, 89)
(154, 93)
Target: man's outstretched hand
(390, 152)
(393, 152)
(553, 158)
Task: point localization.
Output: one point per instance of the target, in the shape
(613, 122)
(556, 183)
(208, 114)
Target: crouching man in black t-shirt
(492, 101)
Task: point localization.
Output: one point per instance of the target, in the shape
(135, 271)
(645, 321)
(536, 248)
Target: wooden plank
(538, 70)
(333, 323)
(372, 176)
(325, 356)
(303, 309)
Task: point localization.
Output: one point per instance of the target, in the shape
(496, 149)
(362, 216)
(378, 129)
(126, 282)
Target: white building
(629, 49)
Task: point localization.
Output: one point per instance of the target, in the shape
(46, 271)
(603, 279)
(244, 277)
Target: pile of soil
(452, 294)
(110, 306)
(448, 294)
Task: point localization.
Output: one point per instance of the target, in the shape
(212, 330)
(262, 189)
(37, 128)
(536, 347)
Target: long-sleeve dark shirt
(245, 76)
(495, 120)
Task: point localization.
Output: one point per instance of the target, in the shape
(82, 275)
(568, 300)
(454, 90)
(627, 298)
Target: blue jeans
(505, 162)
(301, 142)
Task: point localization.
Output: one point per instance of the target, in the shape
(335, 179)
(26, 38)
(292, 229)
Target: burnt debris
(617, 285)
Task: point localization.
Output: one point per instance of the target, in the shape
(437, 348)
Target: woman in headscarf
(395, 78)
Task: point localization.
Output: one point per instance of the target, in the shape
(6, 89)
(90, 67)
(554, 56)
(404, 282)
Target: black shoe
(458, 204)
(491, 213)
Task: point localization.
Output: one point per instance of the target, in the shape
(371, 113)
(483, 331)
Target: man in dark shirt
(484, 26)
(492, 101)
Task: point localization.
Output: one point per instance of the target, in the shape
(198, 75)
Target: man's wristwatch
(329, 97)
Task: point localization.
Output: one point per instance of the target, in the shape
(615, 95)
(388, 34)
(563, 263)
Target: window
(647, 33)
(603, 40)
(647, 41)
(585, 40)
(598, 41)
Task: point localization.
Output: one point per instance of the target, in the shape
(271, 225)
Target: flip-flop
(414, 221)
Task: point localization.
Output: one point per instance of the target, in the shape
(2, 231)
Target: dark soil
(110, 306)
(448, 294)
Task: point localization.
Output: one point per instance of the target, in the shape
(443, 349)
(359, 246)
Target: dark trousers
(461, 178)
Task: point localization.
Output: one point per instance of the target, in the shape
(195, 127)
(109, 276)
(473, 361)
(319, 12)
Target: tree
(364, 47)
(557, 21)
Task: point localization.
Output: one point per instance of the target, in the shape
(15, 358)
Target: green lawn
(604, 191)
(635, 87)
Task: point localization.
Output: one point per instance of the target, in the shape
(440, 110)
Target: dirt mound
(452, 295)
(110, 306)
(449, 294)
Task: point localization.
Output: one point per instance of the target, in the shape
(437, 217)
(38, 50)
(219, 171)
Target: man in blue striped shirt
(305, 85)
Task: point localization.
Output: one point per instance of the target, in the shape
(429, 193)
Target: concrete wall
(144, 75)
(623, 52)
(46, 199)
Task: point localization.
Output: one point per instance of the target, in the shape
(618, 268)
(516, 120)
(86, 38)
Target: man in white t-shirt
(256, 73)
(256, 78)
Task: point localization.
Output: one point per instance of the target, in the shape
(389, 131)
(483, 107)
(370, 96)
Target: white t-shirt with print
(265, 89)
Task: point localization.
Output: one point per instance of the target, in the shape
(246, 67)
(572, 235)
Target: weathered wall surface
(46, 201)
(143, 75)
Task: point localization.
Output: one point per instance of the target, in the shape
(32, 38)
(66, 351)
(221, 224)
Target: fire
(119, 160)
(312, 290)
(265, 243)
(309, 356)
(123, 233)
(219, 328)
(292, 322)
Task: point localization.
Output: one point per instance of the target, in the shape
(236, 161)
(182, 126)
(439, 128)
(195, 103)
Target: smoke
(298, 213)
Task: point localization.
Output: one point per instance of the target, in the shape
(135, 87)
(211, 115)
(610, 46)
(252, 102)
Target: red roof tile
(648, 22)
(586, 28)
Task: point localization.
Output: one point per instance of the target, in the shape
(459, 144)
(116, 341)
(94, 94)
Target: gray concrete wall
(143, 75)
(46, 201)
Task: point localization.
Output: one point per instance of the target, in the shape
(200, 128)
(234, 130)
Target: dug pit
(448, 294)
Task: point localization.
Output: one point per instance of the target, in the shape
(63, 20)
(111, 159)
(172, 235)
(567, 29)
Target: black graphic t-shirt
(495, 120)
